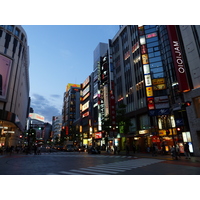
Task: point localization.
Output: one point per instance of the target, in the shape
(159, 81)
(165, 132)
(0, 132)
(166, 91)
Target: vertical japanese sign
(178, 59)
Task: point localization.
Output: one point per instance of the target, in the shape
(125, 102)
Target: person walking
(134, 148)
(187, 151)
(118, 149)
(154, 149)
(127, 150)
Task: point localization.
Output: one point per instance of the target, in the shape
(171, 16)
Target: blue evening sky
(61, 54)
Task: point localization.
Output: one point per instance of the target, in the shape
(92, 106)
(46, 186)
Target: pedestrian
(163, 148)
(39, 150)
(118, 149)
(127, 150)
(154, 149)
(173, 152)
(178, 151)
(35, 149)
(187, 151)
(134, 148)
(115, 149)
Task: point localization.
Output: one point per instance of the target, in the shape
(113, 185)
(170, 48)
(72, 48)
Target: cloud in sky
(45, 106)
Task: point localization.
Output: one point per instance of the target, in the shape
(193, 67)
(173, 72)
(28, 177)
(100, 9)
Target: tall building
(151, 79)
(56, 127)
(14, 83)
(70, 113)
(86, 112)
(97, 103)
(191, 41)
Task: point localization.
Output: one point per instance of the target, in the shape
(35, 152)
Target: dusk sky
(60, 54)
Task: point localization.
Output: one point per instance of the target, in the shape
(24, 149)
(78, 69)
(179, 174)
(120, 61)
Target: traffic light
(186, 104)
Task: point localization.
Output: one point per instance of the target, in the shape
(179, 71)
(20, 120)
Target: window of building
(10, 28)
(17, 31)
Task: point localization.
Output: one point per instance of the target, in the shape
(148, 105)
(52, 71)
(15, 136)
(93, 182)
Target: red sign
(98, 135)
(150, 102)
(177, 58)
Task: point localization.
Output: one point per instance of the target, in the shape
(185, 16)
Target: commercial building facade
(153, 78)
(154, 71)
(70, 113)
(14, 84)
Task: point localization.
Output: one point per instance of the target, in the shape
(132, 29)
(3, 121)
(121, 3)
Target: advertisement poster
(5, 68)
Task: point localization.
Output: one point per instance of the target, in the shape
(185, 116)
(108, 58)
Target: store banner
(178, 59)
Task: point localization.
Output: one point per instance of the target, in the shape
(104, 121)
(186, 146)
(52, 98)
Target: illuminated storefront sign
(86, 96)
(150, 103)
(135, 47)
(177, 58)
(36, 116)
(161, 99)
(85, 106)
(145, 59)
(158, 81)
(149, 91)
(98, 135)
(159, 87)
(71, 85)
(86, 90)
(85, 114)
(146, 69)
(157, 112)
(151, 35)
(147, 80)
(86, 82)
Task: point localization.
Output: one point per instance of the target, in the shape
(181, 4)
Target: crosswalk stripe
(88, 172)
(102, 171)
(109, 169)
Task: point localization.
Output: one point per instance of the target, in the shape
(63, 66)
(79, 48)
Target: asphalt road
(74, 163)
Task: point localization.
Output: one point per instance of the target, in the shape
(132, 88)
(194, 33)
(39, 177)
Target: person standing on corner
(187, 151)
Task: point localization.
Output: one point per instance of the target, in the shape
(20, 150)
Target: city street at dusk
(74, 163)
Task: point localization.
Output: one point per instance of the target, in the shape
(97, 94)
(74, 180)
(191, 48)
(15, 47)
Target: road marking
(87, 172)
(112, 168)
(109, 168)
(102, 171)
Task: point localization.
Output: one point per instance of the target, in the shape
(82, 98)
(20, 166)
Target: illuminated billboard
(69, 85)
(36, 116)
(5, 69)
(178, 59)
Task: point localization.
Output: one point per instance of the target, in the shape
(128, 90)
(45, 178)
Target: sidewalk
(149, 155)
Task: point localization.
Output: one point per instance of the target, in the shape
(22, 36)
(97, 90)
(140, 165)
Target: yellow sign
(159, 87)
(149, 91)
(71, 85)
(158, 81)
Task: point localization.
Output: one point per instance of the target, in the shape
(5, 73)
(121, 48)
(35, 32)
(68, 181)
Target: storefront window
(144, 122)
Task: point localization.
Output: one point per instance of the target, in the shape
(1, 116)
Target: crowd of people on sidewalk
(18, 149)
(154, 150)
